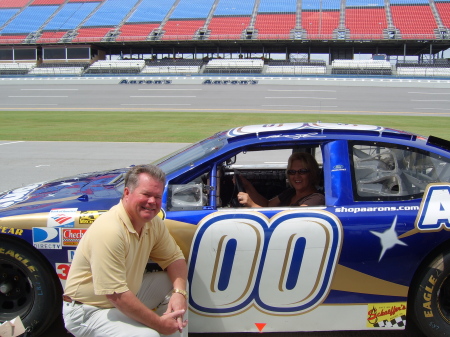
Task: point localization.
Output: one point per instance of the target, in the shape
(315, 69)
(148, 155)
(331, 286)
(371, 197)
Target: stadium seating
(274, 26)
(29, 20)
(173, 67)
(181, 29)
(116, 67)
(414, 21)
(443, 9)
(365, 22)
(70, 16)
(234, 66)
(296, 68)
(361, 67)
(13, 3)
(16, 68)
(230, 28)
(320, 25)
(136, 32)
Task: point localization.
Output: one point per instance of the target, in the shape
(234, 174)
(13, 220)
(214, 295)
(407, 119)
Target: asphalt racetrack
(229, 94)
(30, 162)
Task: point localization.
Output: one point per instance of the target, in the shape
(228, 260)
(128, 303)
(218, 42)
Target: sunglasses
(301, 172)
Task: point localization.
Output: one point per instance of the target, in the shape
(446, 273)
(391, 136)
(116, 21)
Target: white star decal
(388, 239)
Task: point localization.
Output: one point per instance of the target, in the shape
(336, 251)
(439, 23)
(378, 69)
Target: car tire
(431, 297)
(29, 287)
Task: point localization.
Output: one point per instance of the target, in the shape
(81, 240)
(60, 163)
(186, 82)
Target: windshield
(192, 153)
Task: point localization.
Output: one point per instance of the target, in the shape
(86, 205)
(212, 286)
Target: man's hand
(177, 303)
(172, 322)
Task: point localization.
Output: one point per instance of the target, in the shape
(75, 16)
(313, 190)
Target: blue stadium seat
(281, 6)
(71, 15)
(364, 3)
(111, 13)
(409, 2)
(192, 9)
(6, 14)
(235, 7)
(151, 11)
(321, 5)
(30, 20)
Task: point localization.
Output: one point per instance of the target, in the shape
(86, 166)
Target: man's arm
(131, 306)
(177, 272)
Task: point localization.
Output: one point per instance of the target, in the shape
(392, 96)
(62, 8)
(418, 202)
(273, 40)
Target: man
(107, 292)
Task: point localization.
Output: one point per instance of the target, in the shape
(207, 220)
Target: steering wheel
(240, 188)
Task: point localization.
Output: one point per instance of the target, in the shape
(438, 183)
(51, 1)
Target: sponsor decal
(17, 195)
(62, 269)
(88, 217)
(145, 82)
(232, 82)
(70, 255)
(376, 209)
(386, 315)
(46, 238)
(338, 168)
(71, 236)
(9, 230)
(244, 260)
(434, 213)
(62, 217)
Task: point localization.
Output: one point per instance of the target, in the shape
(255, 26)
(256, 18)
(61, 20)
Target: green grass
(180, 127)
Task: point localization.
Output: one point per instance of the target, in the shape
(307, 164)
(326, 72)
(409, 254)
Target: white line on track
(428, 93)
(38, 96)
(307, 106)
(163, 96)
(301, 90)
(21, 141)
(9, 104)
(430, 100)
(49, 89)
(155, 104)
(305, 97)
(170, 89)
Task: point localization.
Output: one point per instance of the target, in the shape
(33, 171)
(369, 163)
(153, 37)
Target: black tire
(431, 297)
(28, 287)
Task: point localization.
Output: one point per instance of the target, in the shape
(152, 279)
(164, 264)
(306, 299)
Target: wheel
(431, 297)
(28, 287)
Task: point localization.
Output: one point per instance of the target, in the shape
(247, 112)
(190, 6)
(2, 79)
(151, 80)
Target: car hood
(64, 192)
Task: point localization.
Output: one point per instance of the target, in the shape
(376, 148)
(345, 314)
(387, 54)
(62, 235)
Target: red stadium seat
(228, 27)
(274, 26)
(365, 23)
(414, 22)
(13, 3)
(136, 32)
(91, 34)
(181, 29)
(320, 25)
(51, 37)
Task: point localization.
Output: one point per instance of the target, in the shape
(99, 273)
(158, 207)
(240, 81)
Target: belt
(69, 300)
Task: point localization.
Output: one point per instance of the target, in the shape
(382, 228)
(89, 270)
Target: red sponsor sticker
(71, 237)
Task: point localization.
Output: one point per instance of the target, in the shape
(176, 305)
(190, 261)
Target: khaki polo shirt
(111, 257)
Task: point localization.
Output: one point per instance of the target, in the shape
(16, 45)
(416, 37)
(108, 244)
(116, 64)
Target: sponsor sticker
(386, 315)
(88, 217)
(46, 238)
(70, 255)
(71, 236)
(62, 217)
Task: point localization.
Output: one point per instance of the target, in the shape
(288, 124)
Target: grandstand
(95, 32)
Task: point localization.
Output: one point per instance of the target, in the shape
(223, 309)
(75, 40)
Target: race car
(374, 256)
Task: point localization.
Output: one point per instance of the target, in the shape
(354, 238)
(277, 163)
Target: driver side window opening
(265, 169)
(384, 172)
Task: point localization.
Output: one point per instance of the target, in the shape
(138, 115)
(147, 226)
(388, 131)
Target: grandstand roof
(341, 28)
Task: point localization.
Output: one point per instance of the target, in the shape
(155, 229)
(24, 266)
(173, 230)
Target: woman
(302, 174)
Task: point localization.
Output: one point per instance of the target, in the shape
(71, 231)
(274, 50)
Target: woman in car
(302, 174)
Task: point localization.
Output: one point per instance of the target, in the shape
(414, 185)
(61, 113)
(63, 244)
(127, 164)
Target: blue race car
(375, 255)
